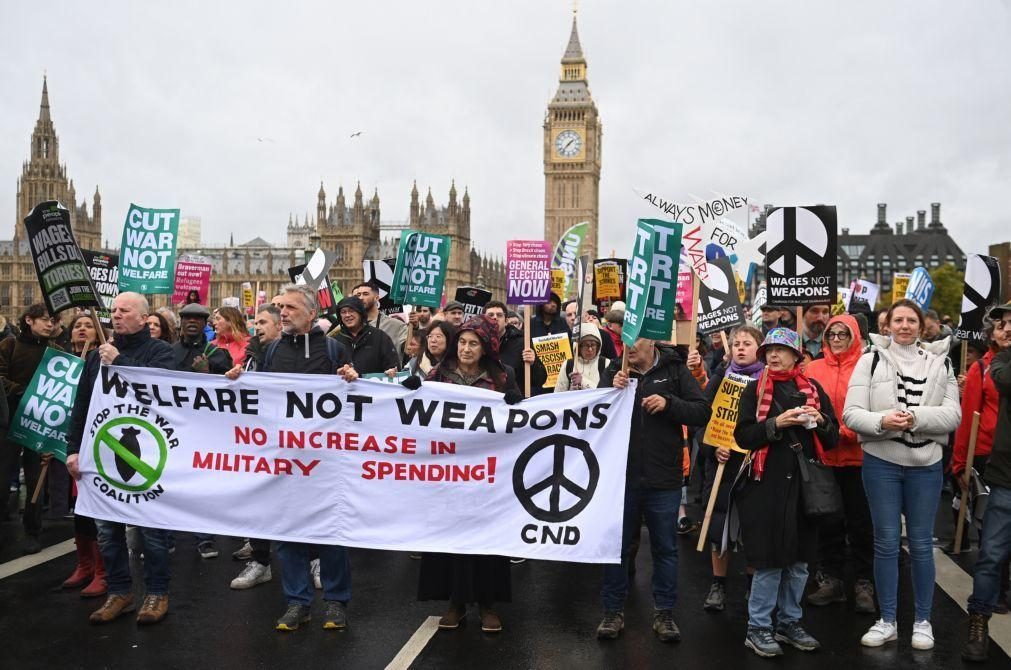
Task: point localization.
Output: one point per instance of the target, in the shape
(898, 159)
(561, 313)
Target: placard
(800, 263)
(148, 252)
(528, 272)
(59, 264)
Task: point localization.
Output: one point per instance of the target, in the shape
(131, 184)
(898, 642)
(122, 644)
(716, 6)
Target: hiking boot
(115, 605)
(610, 627)
(923, 635)
(254, 573)
(977, 647)
(761, 641)
(830, 590)
(490, 622)
(717, 598)
(453, 617)
(314, 569)
(793, 634)
(664, 626)
(153, 609)
(335, 617)
(32, 545)
(243, 553)
(863, 597)
(293, 617)
(882, 631)
(207, 549)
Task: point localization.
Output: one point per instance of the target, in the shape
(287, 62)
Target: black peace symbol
(708, 295)
(557, 480)
(790, 248)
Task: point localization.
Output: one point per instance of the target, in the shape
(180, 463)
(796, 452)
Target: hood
(486, 330)
(586, 330)
(355, 303)
(856, 348)
(539, 311)
(938, 347)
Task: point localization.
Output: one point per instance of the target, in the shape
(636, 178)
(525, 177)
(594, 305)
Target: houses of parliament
(350, 224)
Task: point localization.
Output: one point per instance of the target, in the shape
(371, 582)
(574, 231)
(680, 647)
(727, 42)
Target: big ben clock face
(568, 144)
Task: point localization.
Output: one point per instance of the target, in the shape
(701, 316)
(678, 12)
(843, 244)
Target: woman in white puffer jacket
(903, 404)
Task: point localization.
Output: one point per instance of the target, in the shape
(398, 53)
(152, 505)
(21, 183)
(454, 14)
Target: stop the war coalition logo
(800, 259)
(130, 445)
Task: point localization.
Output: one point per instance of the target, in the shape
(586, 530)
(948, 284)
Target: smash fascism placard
(311, 458)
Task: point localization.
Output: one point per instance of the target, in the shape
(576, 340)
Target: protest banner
(473, 300)
(148, 251)
(863, 296)
(104, 271)
(384, 378)
(528, 272)
(981, 292)
(900, 282)
(247, 296)
(552, 351)
(192, 278)
(761, 298)
(59, 264)
(586, 283)
(921, 288)
(651, 286)
(697, 214)
(606, 279)
(420, 273)
(231, 301)
(313, 459)
(719, 304)
(684, 310)
(844, 298)
(567, 253)
(315, 273)
(557, 282)
(800, 263)
(43, 415)
(380, 274)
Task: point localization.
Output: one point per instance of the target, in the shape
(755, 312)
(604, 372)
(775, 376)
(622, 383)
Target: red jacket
(981, 396)
(833, 373)
(619, 346)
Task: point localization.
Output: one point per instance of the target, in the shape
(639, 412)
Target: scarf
(754, 370)
(805, 386)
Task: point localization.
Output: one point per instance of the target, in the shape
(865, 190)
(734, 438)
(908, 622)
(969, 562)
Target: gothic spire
(574, 51)
(44, 107)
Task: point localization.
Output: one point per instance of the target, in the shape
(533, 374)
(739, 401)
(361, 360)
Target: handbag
(820, 494)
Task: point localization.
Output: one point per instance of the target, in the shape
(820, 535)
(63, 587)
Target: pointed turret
(466, 199)
(415, 206)
(44, 106)
(574, 50)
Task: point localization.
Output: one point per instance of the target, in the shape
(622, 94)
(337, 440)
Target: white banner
(310, 458)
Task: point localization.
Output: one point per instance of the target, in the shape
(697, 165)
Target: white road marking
(25, 562)
(415, 645)
(957, 583)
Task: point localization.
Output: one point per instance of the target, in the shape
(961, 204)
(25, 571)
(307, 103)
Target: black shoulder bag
(819, 491)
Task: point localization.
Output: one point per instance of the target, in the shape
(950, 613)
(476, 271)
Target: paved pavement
(550, 624)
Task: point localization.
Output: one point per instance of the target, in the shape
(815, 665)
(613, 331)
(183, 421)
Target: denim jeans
(112, 544)
(994, 548)
(660, 507)
(334, 572)
(914, 491)
(777, 589)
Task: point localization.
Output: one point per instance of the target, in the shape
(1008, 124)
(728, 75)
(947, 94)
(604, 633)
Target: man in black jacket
(667, 398)
(511, 351)
(371, 349)
(131, 346)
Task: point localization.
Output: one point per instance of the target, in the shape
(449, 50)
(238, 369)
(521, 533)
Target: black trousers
(32, 463)
(261, 550)
(852, 527)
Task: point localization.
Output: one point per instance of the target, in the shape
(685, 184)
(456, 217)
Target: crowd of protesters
(885, 415)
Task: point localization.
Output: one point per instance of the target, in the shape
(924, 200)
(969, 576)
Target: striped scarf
(765, 404)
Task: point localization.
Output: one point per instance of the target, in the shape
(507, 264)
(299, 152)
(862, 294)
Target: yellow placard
(605, 275)
(553, 351)
(558, 282)
(720, 430)
(900, 282)
(247, 295)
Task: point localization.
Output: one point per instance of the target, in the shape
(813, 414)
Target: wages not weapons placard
(310, 458)
(800, 262)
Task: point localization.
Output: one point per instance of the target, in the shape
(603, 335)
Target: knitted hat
(784, 337)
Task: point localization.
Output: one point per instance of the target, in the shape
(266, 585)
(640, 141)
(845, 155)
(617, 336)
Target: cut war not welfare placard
(420, 272)
(148, 254)
(43, 415)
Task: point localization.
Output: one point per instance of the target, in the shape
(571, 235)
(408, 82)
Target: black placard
(59, 264)
(801, 255)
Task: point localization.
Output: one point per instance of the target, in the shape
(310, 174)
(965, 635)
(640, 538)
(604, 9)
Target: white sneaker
(314, 569)
(923, 635)
(254, 573)
(881, 632)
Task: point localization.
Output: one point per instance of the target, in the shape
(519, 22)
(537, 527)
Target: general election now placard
(311, 458)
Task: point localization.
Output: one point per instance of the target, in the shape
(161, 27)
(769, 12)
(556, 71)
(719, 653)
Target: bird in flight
(357, 134)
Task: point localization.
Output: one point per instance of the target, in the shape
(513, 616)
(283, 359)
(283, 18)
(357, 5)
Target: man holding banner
(133, 346)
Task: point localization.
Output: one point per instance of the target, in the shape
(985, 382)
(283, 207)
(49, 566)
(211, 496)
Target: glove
(412, 383)
(513, 397)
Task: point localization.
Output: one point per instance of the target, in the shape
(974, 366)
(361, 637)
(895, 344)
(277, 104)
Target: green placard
(43, 416)
(651, 287)
(420, 274)
(147, 260)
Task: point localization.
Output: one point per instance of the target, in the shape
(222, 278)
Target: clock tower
(572, 137)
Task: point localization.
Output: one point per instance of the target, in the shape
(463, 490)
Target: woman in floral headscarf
(471, 360)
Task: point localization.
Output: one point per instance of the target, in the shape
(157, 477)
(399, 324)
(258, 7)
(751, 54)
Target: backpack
(601, 366)
(333, 348)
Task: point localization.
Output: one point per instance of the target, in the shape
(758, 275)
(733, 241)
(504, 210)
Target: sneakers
(293, 617)
(830, 590)
(664, 626)
(114, 606)
(207, 549)
(32, 545)
(761, 641)
(610, 627)
(254, 573)
(314, 569)
(335, 617)
(863, 597)
(243, 553)
(717, 598)
(453, 617)
(686, 526)
(977, 647)
(882, 631)
(490, 622)
(923, 635)
(153, 609)
(793, 634)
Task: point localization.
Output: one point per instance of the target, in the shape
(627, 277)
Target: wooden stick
(710, 506)
(42, 480)
(965, 352)
(723, 337)
(800, 324)
(98, 327)
(624, 359)
(526, 345)
(693, 336)
(963, 509)
(84, 352)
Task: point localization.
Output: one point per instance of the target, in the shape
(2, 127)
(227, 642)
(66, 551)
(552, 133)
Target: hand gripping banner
(310, 458)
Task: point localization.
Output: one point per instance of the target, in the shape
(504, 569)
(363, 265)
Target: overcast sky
(794, 102)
